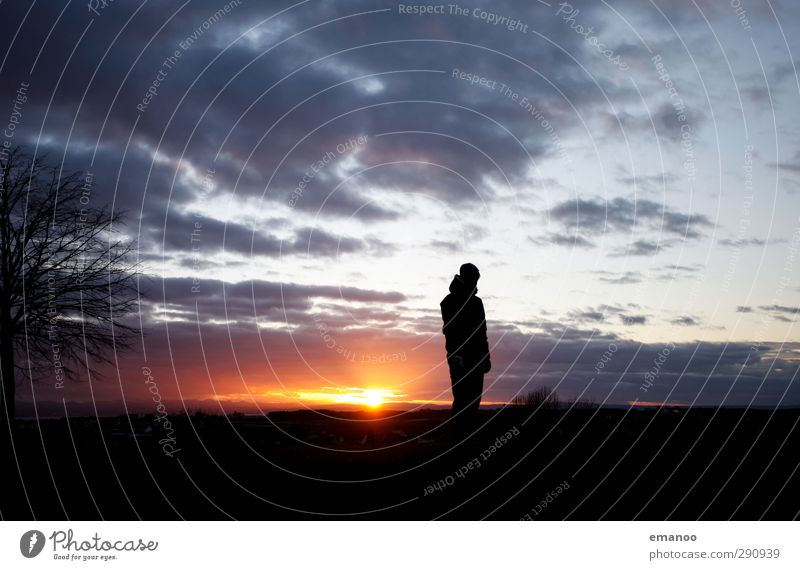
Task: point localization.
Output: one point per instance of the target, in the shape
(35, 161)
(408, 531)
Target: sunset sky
(303, 181)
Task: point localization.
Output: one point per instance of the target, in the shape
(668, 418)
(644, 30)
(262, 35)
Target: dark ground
(617, 464)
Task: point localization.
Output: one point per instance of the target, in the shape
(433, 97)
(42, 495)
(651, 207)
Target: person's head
(469, 274)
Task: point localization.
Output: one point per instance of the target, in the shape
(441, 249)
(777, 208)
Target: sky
(302, 180)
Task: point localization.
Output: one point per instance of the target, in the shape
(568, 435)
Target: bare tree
(68, 286)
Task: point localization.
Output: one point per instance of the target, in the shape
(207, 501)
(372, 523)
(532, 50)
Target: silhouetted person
(467, 346)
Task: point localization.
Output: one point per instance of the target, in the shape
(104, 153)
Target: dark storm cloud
(240, 102)
(234, 98)
(201, 236)
(630, 320)
(685, 321)
(243, 301)
(181, 289)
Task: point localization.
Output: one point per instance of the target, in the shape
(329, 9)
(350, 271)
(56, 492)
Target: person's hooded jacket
(465, 326)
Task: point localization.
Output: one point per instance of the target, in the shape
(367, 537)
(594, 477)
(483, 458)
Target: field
(583, 464)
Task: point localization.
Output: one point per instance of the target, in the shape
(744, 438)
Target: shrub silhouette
(545, 398)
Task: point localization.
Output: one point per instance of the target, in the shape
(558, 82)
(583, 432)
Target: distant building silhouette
(467, 346)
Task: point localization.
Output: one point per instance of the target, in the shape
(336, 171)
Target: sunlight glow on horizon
(369, 397)
(327, 395)
(372, 398)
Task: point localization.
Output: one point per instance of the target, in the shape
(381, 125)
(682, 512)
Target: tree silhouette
(68, 287)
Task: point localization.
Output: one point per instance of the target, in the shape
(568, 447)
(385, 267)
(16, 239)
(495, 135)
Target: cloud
(201, 236)
(435, 130)
(447, 246)
(587, 316)
(241, 359)
(779, 312)
(649, 183)
(293, 304)
(749, 242)
(792, 165)
(668, 273)
(570, 362)
(668, 121)
(623, 278)
(685, 321)
(598, 314)
(261, 117)
(316, 242)
(641, 248)
(622, 215)
(573, 240)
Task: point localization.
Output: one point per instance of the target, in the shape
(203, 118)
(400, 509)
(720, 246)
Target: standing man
(467, 346)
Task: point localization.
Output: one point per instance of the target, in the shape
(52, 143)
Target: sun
(373, 398)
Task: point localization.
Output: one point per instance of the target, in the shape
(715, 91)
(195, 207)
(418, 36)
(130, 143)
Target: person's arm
(448, 314)
(484, 341)
(447, 317)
